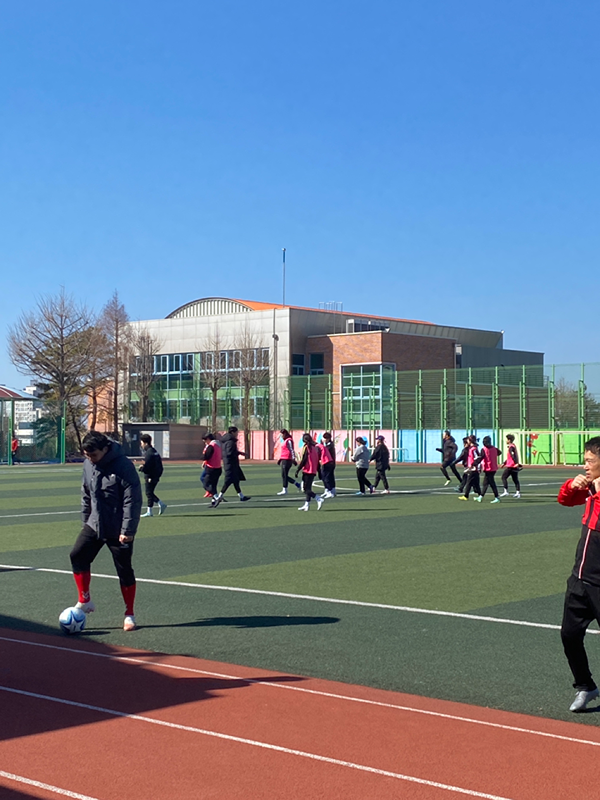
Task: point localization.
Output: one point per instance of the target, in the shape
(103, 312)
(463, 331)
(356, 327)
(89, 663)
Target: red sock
(82, 579)
(128, 593)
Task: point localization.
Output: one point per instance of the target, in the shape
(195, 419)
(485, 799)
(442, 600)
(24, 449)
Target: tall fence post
(419, 416)
(523, 399)
(496, 405)
(444, 402)
(11, 431)
(469, 403)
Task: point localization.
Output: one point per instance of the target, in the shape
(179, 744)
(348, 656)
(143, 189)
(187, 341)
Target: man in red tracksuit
(582, 599)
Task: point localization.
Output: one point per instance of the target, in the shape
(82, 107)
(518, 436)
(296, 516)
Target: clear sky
(429, 159)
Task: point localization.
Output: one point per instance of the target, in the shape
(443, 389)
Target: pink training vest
(312, 462)
(490, 459)
(325, 454)
(510, 462)
(214, 462)
(472, 455)
(287, 450)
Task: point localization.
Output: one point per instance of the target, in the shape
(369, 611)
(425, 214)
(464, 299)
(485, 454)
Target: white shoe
(478, 498)
(320, 502)
(161, 507)
(129, 623)
(582, 698)
(283, 491)
(326, 494)
(148, 513)
(87, 608)
(517, 495)
(305, 507)
(447, 483)
(385, 491)
(504, 494)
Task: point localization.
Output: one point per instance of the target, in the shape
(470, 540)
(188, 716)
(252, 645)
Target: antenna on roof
(333, 305)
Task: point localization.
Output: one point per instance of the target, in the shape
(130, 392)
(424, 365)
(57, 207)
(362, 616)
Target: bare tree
(113, 322)
(252, 372)
(144, 347)
(55, 343)
(211, 375)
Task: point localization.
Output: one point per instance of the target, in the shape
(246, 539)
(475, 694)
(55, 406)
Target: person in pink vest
(212, 464)
(512, 467)
(327, 456)
(287, 459)
(309, 465)
(472, 470)
(489, 466)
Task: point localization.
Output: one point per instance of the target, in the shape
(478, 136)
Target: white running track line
(312, 598)
(255, 743)
(63, 792)
(140, 661)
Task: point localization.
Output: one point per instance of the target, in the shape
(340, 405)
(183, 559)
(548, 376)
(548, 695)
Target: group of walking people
(480, 461)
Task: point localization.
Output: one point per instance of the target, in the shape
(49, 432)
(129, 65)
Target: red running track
(82, 720)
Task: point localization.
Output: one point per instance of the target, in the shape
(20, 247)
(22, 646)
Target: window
(317, 363)
(223, 360)
(298, 364)
(367, 396)
(164, 364)
(264, 358)
(188, 362)
(175, 363)
(237, 359)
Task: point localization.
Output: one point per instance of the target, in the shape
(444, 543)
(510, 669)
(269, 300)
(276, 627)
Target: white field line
(62, 792)
(276, 499)
(140, 661)
(255, 743)
(311, 598)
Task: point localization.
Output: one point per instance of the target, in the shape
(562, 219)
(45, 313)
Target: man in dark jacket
(111, 502)
(152, 469)
(381, 457)
(231, 466)
(448, 451)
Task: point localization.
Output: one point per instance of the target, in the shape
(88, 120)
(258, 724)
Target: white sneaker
(385, 491)
(447, 483)
(478, 498)
(517, 495)
(129, 623)
(148, 513)
(320, 502)
(283, 491)
(326, 494)
(161, 507)
(87, 608)
(305, 507)
(582, 698)
(504, 494)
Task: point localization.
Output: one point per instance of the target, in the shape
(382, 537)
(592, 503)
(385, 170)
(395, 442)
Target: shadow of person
(250, 622)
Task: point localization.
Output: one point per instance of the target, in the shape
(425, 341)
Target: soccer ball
(72, 620)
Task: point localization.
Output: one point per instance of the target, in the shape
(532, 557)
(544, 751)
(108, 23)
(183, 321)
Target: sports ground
(393, 646)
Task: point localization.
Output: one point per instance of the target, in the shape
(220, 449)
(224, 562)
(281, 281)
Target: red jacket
(587, 555)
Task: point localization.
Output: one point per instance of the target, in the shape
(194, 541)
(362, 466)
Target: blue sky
(428, 160)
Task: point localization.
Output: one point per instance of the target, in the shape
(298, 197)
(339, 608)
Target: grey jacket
(111, 495)
(361, 457)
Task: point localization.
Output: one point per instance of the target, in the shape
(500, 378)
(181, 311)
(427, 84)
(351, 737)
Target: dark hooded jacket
(231, 458)
(448, 449)
(111, 495)
(381, 457)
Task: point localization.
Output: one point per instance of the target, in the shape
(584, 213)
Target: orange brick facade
(406, 352)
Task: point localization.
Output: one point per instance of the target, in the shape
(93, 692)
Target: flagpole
(283, 249)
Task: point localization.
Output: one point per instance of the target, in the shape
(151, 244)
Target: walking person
(512, 467)
(231, 466)
(212, 464)
(111, 502)
(327, 458)
(361, 458)
(463, 459)
(381, 457)
(287, 459)
(14, 449)
(582, 598)
(309, 466)
(489, 466)
(448, 451)
(152, 469)
(472, 471)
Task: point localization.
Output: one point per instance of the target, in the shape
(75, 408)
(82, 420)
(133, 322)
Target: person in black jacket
(381, 457)
(152, 469)
(231, 466)
(111, 501)
(448, 451)
(463, 459)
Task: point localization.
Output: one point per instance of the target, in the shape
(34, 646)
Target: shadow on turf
(250, 622)
(60, 669)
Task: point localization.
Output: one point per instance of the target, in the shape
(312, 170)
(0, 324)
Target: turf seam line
(314, 599)
(29, 782)
(256, 743)
(142, 662)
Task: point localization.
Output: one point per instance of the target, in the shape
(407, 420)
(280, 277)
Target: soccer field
(413, 591)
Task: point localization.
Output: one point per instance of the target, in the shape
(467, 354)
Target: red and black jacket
(587, 556)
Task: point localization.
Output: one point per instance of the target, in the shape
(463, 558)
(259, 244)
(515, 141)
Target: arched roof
(211, 306)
